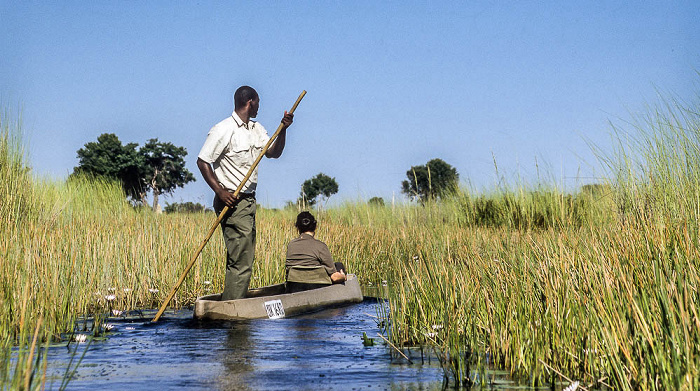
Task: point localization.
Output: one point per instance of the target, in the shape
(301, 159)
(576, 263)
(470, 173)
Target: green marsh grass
(604, 291)
(19, 333)
(599, 286)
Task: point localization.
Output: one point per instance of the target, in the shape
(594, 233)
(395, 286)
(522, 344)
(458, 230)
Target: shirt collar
(240, 122)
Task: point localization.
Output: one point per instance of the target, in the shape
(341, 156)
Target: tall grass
(74, 248)
(17, 328)
(599, 286)
(606, 293)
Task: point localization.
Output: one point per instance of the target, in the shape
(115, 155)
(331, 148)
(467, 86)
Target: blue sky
(390, 84)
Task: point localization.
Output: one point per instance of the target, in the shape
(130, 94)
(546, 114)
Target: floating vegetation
(367, 341)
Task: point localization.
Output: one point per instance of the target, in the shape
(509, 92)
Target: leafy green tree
(320, 186)
(185, 207)
(376, 201)
(163, 169)
(430, 181)
(157, 167)
(107, 157)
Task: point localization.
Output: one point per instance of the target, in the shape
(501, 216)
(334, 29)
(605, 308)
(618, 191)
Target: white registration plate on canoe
(274, 309)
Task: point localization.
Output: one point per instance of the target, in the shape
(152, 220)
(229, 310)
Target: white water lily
(572, 387)
(80, 338)
(110, 297)
(153, 290)
(117, 312)
(108, 326)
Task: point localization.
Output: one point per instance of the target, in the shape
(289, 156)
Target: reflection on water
(313, 352)
(321, 351)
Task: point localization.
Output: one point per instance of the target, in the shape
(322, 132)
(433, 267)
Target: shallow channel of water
(320, 351)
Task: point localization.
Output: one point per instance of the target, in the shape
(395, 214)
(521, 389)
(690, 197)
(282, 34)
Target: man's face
(254, 105)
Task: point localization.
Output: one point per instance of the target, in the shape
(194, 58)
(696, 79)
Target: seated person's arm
(338, 277)
(327, 261)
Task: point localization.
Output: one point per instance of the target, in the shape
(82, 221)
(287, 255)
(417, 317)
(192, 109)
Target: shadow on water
(323, 350)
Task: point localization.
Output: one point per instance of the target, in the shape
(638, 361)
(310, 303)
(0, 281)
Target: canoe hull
(271, 302)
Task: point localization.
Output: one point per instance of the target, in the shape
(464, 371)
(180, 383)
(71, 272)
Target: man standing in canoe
(229, 151)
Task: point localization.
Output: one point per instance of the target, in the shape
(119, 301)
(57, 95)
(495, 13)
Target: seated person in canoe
(306, 254)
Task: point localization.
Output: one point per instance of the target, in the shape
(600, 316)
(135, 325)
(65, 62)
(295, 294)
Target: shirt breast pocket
(239, 150)
(258, 145)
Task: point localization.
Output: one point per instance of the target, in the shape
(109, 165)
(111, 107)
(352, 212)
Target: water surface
(320, 351)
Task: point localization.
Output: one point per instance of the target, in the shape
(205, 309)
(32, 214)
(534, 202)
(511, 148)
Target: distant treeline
(185, 207)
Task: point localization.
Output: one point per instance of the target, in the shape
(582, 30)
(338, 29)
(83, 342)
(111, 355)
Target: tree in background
(109, 158)
(184, 207)
(157, 167)
(321, 186)
(163, 169)
(433, 180)
(376, 201)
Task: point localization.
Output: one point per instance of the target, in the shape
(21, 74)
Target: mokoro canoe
(272, 302)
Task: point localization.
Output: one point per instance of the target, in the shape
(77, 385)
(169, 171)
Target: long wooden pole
(222, 214)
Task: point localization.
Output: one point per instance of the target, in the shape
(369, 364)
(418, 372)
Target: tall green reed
(604, 291)
(600, 285)
(23, 362)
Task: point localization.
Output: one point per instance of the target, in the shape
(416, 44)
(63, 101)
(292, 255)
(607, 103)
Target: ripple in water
(311, 352)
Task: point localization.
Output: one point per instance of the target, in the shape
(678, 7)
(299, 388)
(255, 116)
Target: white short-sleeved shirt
(231, 148)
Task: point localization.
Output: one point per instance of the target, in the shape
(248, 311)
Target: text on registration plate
(274, 309)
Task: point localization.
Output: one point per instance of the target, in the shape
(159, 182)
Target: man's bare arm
(210, 177)
(277, 147)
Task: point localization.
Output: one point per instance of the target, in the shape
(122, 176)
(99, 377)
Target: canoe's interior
(266, 291)
(271, 290)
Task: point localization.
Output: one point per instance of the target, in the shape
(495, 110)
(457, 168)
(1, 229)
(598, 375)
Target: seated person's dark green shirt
(307, 251)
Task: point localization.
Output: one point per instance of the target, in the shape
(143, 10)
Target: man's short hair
(243, 95)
